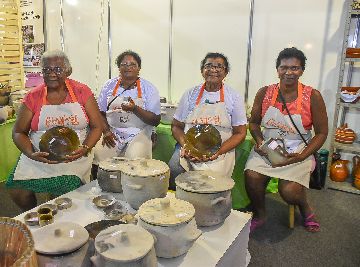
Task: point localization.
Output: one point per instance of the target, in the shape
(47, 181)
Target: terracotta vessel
(357, 183)
(339, 170)
(356, 167)
(356, 171)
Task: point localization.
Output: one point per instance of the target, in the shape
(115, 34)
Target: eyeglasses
(57, 70)
(130, 65)
(210, 66)
(291, 68)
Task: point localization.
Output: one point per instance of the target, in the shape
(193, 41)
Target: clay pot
(357, 183)
(356, 167)
(339, 170)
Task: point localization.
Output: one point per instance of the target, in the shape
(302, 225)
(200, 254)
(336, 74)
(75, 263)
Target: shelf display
(345, 139)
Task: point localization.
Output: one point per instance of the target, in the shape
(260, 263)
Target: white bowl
(348, 97)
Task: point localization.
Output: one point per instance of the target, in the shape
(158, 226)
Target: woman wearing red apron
(307, 109)
(58, 102)
(213, 103)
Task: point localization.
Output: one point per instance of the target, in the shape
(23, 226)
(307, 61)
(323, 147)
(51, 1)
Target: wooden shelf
(352, 59)
(350, 105)
(354, 147)
(355, 12)
(343, 186)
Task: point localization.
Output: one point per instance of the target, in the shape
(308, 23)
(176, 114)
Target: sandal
(256, 223)
(310, 224)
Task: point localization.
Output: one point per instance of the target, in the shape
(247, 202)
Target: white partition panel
(82, 21)
(142, 26)
(208, 26)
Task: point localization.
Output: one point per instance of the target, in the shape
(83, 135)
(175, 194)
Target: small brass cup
(45, 219)
(45, 216)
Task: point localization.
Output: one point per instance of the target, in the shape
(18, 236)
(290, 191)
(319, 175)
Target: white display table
(223, 245)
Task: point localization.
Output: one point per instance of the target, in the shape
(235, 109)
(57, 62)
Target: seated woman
(130, 106)
(307, 109)
(218, 105)
(57, 102)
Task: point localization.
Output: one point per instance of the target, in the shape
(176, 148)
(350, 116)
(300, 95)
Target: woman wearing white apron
(131, 108)
(209, 103)
(58, 102)
(307, 109)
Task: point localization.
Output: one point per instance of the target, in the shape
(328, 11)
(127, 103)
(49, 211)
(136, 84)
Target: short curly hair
(215, 55)
(128, 53)
(289, 53)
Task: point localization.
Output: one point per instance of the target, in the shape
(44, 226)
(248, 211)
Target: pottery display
(345, 135)
(125, 245)
(339, 170)
(59, 141)
(144, 179)
(172, 222)
(60, 238)
(209, 192)
(16, 244)
(202, 140)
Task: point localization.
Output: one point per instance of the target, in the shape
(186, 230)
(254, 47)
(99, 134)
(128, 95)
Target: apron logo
(284, 129)
(64, 120)
(214, 120)
(124, 119)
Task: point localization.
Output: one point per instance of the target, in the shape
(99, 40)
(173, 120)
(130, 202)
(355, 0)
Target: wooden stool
(291, 216)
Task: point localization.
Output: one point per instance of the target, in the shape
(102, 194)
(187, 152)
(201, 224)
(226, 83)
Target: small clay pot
(339, 170)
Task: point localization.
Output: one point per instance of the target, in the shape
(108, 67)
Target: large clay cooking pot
(209, 192)
(172, 222)
(339, 170)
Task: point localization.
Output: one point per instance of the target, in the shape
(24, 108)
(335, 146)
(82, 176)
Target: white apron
(135, 144)
(71, 115)
(278, 125)
(216, 115)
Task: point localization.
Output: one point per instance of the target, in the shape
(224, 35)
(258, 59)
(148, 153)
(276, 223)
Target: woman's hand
(109, 139)
(258, 150)
(81, 151)
(290, 159)
(130, 106)
(42, 157)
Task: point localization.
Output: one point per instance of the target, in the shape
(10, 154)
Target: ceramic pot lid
(112, 164)
(203, 182)
(60, 238)
(144, 167)
(166, 211)
(124, 242)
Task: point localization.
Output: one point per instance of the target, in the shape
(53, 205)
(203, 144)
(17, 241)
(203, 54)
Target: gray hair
(58, 54)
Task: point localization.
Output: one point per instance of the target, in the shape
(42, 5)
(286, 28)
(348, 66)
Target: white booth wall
(198, 27)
